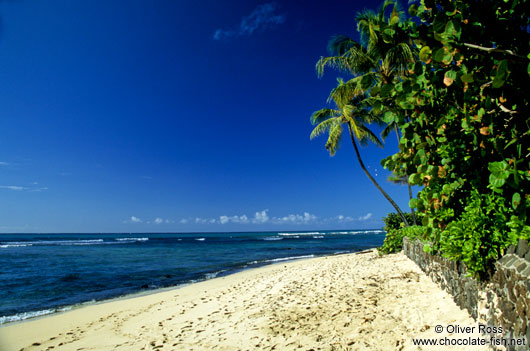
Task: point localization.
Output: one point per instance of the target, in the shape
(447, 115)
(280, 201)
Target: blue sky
(138, 116)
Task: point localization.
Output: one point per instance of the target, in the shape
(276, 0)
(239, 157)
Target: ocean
(47, 273)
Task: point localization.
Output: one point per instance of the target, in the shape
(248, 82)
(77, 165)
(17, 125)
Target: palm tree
(355, 113)
(399, 178)
(383, 49)
(382, 56)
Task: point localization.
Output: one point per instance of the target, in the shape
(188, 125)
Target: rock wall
(503, 301)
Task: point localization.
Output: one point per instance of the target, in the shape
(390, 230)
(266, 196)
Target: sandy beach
(346, 302)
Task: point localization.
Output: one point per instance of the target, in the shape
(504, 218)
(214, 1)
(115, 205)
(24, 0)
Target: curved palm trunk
(408, 183)
(373, 180)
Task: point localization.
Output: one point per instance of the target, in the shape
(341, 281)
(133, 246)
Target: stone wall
(503, 301)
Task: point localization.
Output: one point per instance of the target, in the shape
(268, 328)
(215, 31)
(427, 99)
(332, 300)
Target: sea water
(47, 273)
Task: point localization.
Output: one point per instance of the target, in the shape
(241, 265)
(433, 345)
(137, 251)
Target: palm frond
(367, 26)
(323, 127)
(367, 135)
(399, 57)
(387, 130)
(340, 44)
(383, 7)
(323, 114)
(335, 134)
(366, 102)
(354, 126)
(397, 15)
(340, 63)
(360, 59)
(397, 179)
(371, 116)
(344, 92)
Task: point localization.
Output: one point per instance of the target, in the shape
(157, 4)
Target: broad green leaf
(443, 55)
(499, 169)
(388, 117)
(467, 78)
(516, 200)
(389, 31)
(425, 53)
(451, 74)
(452, 29)
(413, 203)
(502, 74)
(406, 105)
(449, 77)
(496, 182)
(386, 90)
(414, 179)
(439, 23)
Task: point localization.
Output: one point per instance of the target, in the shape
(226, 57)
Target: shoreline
(218, 274)
(354, 301)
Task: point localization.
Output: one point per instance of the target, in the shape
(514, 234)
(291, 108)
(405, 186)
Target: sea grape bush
(464, 115)
(453, 81)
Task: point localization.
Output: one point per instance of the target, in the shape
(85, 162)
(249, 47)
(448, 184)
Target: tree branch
(492, 50)
(505, 109)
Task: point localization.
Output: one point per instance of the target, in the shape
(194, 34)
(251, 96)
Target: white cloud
(13, 187)
(158, 220)
(261, 217)
(205, 220)
(24, 188)
(365, 217)
(233, 219)
(135, 219)
(261, 18)
(296, 219)
(342, 218)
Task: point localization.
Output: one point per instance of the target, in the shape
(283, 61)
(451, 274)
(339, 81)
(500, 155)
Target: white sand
(345, 302)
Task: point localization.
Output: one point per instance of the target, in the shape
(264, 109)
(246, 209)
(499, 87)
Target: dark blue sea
(47, 273)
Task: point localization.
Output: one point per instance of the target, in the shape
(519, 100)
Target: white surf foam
(26, 315)
(131, 239)
(301, 233)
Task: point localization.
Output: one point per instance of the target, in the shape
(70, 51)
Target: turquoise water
(45, 273)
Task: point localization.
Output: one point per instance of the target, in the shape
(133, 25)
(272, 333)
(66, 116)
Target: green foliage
(465, 130)
(394, 238)
(394, 221)
(481, 235)
(456, 87)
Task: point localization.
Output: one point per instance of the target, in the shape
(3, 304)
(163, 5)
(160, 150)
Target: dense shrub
(463, 111)
(394, 238)
(394, 221)
(452, 81)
